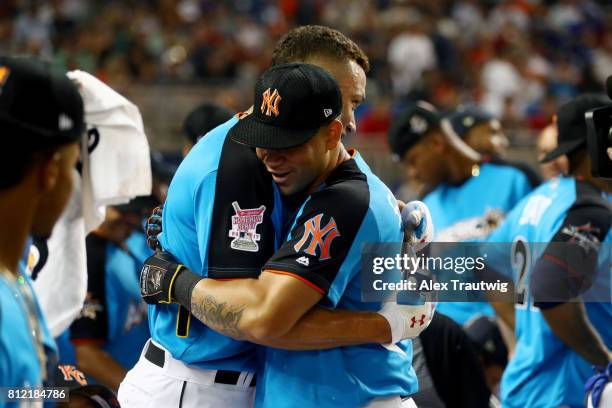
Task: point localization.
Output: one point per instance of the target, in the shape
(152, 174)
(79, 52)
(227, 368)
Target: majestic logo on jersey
(583, 235)
(70, 373)
(319, 237)
(472, 228)
(244, 228)
(302, 260)
(269, 104)
(4, 74)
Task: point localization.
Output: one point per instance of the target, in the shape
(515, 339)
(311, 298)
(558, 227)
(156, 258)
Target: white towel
(116, 170)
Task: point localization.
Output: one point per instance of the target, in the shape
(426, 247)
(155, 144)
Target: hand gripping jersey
(218, 221)
(543, 371)
(323, 249)
(470, 211)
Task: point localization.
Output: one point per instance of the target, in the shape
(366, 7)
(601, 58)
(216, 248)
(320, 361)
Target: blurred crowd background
(518, 59)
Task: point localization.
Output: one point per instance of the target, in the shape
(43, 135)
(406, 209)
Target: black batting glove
(157, 277)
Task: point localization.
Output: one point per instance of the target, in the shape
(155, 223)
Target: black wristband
(183, 286)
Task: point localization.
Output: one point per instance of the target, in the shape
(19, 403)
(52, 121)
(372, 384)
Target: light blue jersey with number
(543, 372)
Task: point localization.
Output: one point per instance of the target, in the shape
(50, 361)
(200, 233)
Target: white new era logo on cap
(327, 112)
(65, 123)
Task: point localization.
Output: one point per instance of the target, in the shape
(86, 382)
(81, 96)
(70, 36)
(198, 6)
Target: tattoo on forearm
(221, 317)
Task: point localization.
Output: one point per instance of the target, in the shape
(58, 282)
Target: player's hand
(418, 225)
(407, 321)
(154, 227)
(157, 276)
(595, 386)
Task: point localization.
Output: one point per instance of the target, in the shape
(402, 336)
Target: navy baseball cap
(572, 126)
(465, 119)
(203, 119)
(39, 107)
(411, 126)
(292, 101)
(486, 336)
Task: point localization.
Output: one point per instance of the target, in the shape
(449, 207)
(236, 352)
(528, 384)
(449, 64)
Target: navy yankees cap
(38, 105)
(203, 119)
(571, 124)
(464, 119)
(292, 101)
(411, 126)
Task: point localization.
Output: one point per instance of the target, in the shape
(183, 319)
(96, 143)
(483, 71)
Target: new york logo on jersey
(318, 237)
(244, 227)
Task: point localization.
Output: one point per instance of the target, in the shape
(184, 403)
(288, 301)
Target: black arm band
(183, 287)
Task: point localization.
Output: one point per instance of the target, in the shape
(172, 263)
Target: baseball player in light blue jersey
(248, 220)
(318, 261)
(467, 196)
(557, 340)
(41, 112)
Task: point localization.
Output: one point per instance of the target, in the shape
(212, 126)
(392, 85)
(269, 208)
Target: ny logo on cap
(269, 105)
(4, 74)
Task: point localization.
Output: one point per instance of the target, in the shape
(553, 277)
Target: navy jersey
(544, 372)
(470, 211)
(322, 249)
(114, 314)
(224, 182)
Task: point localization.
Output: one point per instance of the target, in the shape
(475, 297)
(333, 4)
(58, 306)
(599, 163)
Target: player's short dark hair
(302, 43)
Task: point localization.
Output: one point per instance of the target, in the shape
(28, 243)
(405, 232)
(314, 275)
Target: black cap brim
(563, 148)
(251, 132)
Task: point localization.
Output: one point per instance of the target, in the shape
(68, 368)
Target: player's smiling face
(302, 168)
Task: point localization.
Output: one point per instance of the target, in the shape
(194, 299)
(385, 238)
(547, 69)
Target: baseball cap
(571, 124)
(411, 126)
(464, 119)
(38, 104)
(486, 336)
(292, 101)
(203, 119)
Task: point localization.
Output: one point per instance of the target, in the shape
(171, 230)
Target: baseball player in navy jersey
(557, 340)
(318, 261)
(42, 112)
(246, 230)
(467, 196)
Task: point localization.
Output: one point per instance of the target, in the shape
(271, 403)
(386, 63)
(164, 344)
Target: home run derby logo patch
(244, 228)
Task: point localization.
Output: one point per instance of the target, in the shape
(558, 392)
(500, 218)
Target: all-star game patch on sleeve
(92, 324)
(569, 264)
(323, 234)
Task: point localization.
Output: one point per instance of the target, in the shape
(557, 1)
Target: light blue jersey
(469, 212)
(543, 371)
(218, 221)
(323, 249)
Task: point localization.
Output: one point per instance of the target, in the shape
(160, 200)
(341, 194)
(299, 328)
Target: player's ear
(334, 134)
(49, 171)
